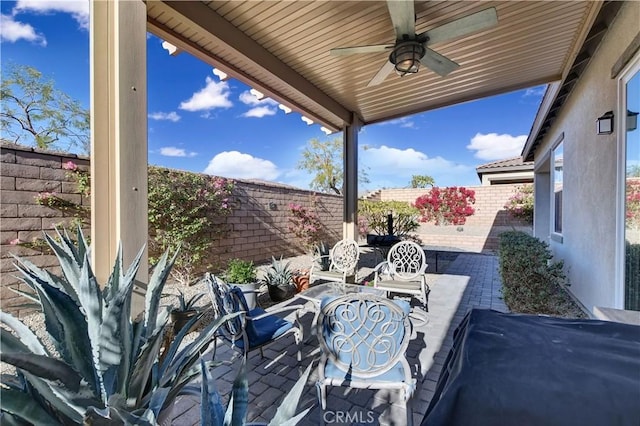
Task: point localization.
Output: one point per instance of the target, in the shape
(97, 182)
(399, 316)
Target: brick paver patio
(469, 281)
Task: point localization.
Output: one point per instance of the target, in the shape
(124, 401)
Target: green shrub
(531, 281)
(632, 276)
(373, 217)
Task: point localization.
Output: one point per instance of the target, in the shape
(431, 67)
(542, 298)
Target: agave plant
(279, 273)
(106, 368)
(321, 256)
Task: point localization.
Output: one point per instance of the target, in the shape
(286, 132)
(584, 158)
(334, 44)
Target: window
(630, 204)
(556, 202)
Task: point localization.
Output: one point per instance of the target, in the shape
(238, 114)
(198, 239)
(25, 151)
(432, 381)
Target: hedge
(531, 280)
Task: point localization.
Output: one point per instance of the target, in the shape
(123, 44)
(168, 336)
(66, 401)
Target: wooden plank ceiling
(281, 48)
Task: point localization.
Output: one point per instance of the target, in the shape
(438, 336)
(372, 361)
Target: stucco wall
(258, 225)
(589, 193)
(481, 230)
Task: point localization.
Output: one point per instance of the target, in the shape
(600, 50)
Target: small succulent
(185, 304)
(321, 255)
(279, 273)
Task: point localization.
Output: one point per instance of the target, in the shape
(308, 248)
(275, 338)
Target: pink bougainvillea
(446, 206)
(305, 225)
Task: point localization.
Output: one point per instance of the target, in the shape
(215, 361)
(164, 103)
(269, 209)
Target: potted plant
(321, 256)
(242, 274)
(185, 311)
(278, 278)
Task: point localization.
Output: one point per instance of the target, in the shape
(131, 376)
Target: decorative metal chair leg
(261, 352)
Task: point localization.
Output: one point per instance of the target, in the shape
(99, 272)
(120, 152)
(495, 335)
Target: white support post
(350, 187)
(119, 136)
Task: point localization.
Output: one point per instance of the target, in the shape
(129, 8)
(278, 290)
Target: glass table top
(318, 292)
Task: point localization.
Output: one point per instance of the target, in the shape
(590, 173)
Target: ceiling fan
(410, 49)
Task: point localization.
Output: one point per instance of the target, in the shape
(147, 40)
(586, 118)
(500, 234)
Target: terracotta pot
(301, 282)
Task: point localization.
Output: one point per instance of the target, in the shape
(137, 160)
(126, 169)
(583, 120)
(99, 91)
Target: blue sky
(199, 123)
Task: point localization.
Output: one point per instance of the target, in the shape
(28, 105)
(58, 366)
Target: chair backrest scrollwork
(364, 334)
(344, 255)
(406, 261)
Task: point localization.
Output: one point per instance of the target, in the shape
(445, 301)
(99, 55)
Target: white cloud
(12, 31)
(79, 10)
(259, 112)
(496, 147)
(537, 91)
(213, 95)
(248, 98)
(393, 167)
(234, 164)
(171, 116)
(172, 151)
(405, 122)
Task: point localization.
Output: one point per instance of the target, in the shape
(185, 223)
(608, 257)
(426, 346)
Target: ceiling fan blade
(381, 75)
(403, 17)
(439, 64)
(463, 26)
(340, 51)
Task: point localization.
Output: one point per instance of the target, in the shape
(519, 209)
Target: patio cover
(281, 48)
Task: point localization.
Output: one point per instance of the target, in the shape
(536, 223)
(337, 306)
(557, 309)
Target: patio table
(317, 293)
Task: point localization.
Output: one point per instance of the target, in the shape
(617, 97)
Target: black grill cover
(511, 369)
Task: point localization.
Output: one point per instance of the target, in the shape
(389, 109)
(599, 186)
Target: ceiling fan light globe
(406, 57)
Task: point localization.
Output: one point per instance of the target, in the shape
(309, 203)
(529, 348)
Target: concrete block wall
(258, 227)
(24, 174)
(481, 230)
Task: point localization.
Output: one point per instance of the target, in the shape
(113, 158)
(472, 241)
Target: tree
(421, 181)
(325, 160)
(35, 113)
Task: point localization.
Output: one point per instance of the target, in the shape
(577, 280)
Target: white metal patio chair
(256, 327)
(343, 258)
(404, 271)
(364, 339)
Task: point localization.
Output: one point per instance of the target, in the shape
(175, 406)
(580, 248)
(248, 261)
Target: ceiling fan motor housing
(406, 57)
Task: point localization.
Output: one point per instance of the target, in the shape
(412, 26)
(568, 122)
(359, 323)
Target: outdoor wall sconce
(605, 123)
(632, 121)
(273, 206)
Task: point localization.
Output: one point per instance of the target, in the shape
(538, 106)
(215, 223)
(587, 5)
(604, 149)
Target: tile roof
(511, 163)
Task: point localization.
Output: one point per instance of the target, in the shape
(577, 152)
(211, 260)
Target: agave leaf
(51, 321)
(66, 258)
(154, 290)
(20, 405)
(83, 248)
(158, 399)
(175, 344)
(111, 416)
(113, 283)
(181, 385)
(76, 335)
(45, 367)
(142, 366)
(91, 300)
(9, 419)
(30, 296)
(239, 402)
(36, 273)
(191, 353)
(285, 414)
(26, 336)
(57, 398)
(116, 332)
(211, 410)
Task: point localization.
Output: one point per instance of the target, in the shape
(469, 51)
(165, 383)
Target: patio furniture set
(363, 335)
